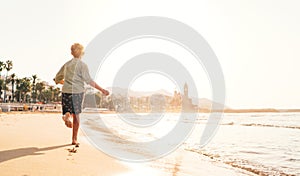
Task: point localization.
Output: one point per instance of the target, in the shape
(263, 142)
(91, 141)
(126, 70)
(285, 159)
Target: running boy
(73, 75)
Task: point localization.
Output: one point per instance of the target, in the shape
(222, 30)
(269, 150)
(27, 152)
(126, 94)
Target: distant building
(187, 105)
(158, 102)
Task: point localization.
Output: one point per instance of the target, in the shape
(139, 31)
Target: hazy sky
(256, 41)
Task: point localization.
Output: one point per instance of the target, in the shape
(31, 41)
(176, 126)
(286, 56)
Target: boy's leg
(75, 128)
(66, 118)
(67, 109)
(77, 105)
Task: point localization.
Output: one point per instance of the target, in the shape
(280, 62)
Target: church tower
(186, 90)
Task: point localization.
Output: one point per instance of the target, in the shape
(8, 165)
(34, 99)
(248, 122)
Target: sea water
(254, 143)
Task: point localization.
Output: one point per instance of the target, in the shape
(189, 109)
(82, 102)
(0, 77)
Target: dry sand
(38, 143)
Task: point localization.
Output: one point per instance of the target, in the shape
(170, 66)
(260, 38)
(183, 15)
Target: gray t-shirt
(75, 73)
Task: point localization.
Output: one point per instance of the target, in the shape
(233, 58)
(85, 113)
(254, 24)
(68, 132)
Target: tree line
(26, 89)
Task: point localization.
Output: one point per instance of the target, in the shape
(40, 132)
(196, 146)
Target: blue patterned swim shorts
(72, 103)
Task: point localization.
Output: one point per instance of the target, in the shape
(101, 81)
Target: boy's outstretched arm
(95, 85)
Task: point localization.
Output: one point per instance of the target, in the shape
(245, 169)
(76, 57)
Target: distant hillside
(131, 93)
(203, 103)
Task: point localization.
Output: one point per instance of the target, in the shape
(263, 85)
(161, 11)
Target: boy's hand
(61, 82)
(105, 92)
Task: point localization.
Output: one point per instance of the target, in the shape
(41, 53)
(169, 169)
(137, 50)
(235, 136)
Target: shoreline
(56, 108)
(58, 111)
(38, 143)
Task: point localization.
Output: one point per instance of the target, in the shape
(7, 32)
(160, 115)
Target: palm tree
(2, 82)
(26, 87)
(1, 67)
(48, 94)
(56, 94)
(40, 86)
(2, 87)
(51, 93)
(23, 87)
(7, 81)
(34, 77)
(18, 92)
(12, 79)
(8, 66)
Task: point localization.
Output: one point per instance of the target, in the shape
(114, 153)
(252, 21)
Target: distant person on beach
(73, 75)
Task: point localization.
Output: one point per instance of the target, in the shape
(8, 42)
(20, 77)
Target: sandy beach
(39, 143)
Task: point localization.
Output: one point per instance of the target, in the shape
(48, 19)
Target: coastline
(56, 108)
(38, 143)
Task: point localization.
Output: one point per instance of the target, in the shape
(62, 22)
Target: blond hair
(77, 50)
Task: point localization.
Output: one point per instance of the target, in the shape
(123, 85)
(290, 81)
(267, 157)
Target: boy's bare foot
(76, 144)
(67, 120)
